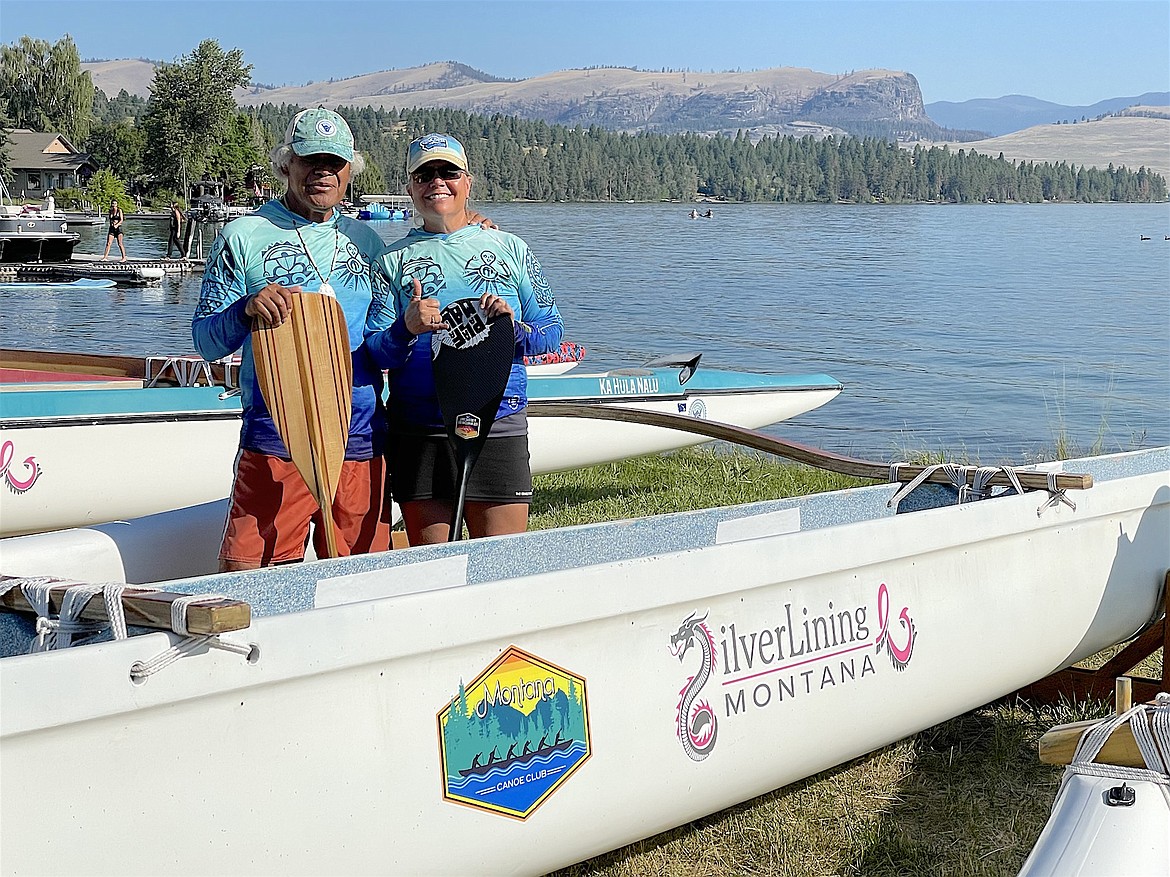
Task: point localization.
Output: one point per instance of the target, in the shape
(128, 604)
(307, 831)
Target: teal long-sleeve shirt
(274, 245)
(464, 264)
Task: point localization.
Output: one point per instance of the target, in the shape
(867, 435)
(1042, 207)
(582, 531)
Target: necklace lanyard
(325, 288)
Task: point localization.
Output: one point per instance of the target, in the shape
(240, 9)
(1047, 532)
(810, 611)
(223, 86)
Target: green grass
(967, 797)
(695, 478)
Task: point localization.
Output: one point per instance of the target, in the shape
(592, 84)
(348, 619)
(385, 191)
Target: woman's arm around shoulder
(539, 327)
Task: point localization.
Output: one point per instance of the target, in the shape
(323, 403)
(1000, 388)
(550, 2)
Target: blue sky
(1073, 52)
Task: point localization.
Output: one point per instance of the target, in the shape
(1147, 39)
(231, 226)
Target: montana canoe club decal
(513, 735)
(803, 653)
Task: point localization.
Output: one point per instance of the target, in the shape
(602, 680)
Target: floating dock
(133, 272)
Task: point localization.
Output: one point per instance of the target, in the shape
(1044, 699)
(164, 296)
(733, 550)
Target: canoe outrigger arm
(972, 482)
(199, 618)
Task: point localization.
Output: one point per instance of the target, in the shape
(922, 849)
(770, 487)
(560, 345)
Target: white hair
(281, 155)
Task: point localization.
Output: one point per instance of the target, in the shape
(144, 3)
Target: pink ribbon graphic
(16, 484)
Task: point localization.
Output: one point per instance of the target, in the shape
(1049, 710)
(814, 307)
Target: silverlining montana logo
(803, 653)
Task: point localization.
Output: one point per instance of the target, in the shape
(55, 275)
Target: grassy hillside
(1132, 141)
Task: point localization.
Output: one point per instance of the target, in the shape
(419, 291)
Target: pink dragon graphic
(697, 725)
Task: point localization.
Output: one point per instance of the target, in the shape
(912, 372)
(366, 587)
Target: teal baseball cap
(435, 147)
(319, 130)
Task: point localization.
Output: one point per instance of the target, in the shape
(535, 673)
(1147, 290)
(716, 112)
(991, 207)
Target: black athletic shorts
(423, 467)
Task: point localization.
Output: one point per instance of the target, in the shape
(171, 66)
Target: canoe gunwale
(119, 419)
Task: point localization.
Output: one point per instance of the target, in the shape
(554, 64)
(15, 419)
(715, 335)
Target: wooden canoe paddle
(471, 361)
(305, 373)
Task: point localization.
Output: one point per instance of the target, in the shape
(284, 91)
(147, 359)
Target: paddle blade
(305, 373)
(471, 361)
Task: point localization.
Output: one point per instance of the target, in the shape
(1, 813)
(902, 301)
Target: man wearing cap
(298, 242)
(452, 258)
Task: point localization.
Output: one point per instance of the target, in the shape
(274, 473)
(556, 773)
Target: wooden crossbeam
(1058, 745)
(144, 608)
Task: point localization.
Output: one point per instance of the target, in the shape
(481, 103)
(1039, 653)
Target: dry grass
(1118, 140)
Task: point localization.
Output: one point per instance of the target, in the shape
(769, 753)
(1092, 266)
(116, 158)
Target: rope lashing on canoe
(143, 669)
(59, 632)
(1055, 496)
(1152, 737)
(980, 486)
(953, 473)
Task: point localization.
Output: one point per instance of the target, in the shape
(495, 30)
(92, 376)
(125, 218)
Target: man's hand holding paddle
(271, 305)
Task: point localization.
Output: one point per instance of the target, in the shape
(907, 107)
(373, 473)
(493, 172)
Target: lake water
(985, 331)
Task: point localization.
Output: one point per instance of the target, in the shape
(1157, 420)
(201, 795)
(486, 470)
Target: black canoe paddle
(471, 360)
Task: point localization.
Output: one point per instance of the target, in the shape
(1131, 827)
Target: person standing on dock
(176, 239)
(117, 218)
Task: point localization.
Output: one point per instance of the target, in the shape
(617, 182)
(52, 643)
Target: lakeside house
(41, 162)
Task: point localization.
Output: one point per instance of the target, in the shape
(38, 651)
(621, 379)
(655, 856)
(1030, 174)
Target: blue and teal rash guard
(464, 264)
(264, 248)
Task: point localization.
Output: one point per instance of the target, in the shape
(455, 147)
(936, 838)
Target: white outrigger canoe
(515, 704)
(79, 452)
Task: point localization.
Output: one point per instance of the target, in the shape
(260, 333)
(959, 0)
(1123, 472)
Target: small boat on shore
(76, 453)
(693, 661)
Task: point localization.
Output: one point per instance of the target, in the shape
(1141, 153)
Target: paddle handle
(461, 498)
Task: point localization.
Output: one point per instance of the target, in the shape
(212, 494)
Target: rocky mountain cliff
(636, 100)
(780, 100)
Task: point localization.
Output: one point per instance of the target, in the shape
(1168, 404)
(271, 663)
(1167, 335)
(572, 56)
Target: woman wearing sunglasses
(452, 257)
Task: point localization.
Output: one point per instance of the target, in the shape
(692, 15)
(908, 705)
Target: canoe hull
(335, 729)
(1086, 837)
(94, 469)
(77, 466)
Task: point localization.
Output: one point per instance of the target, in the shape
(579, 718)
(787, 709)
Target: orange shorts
(271, 507)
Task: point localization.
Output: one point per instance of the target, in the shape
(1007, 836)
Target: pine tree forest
(518, 159)
(515, 159)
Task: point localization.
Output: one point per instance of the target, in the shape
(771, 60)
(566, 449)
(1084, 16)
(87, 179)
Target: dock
(132, 272)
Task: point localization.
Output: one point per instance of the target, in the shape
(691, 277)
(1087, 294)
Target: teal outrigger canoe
(79, 452)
